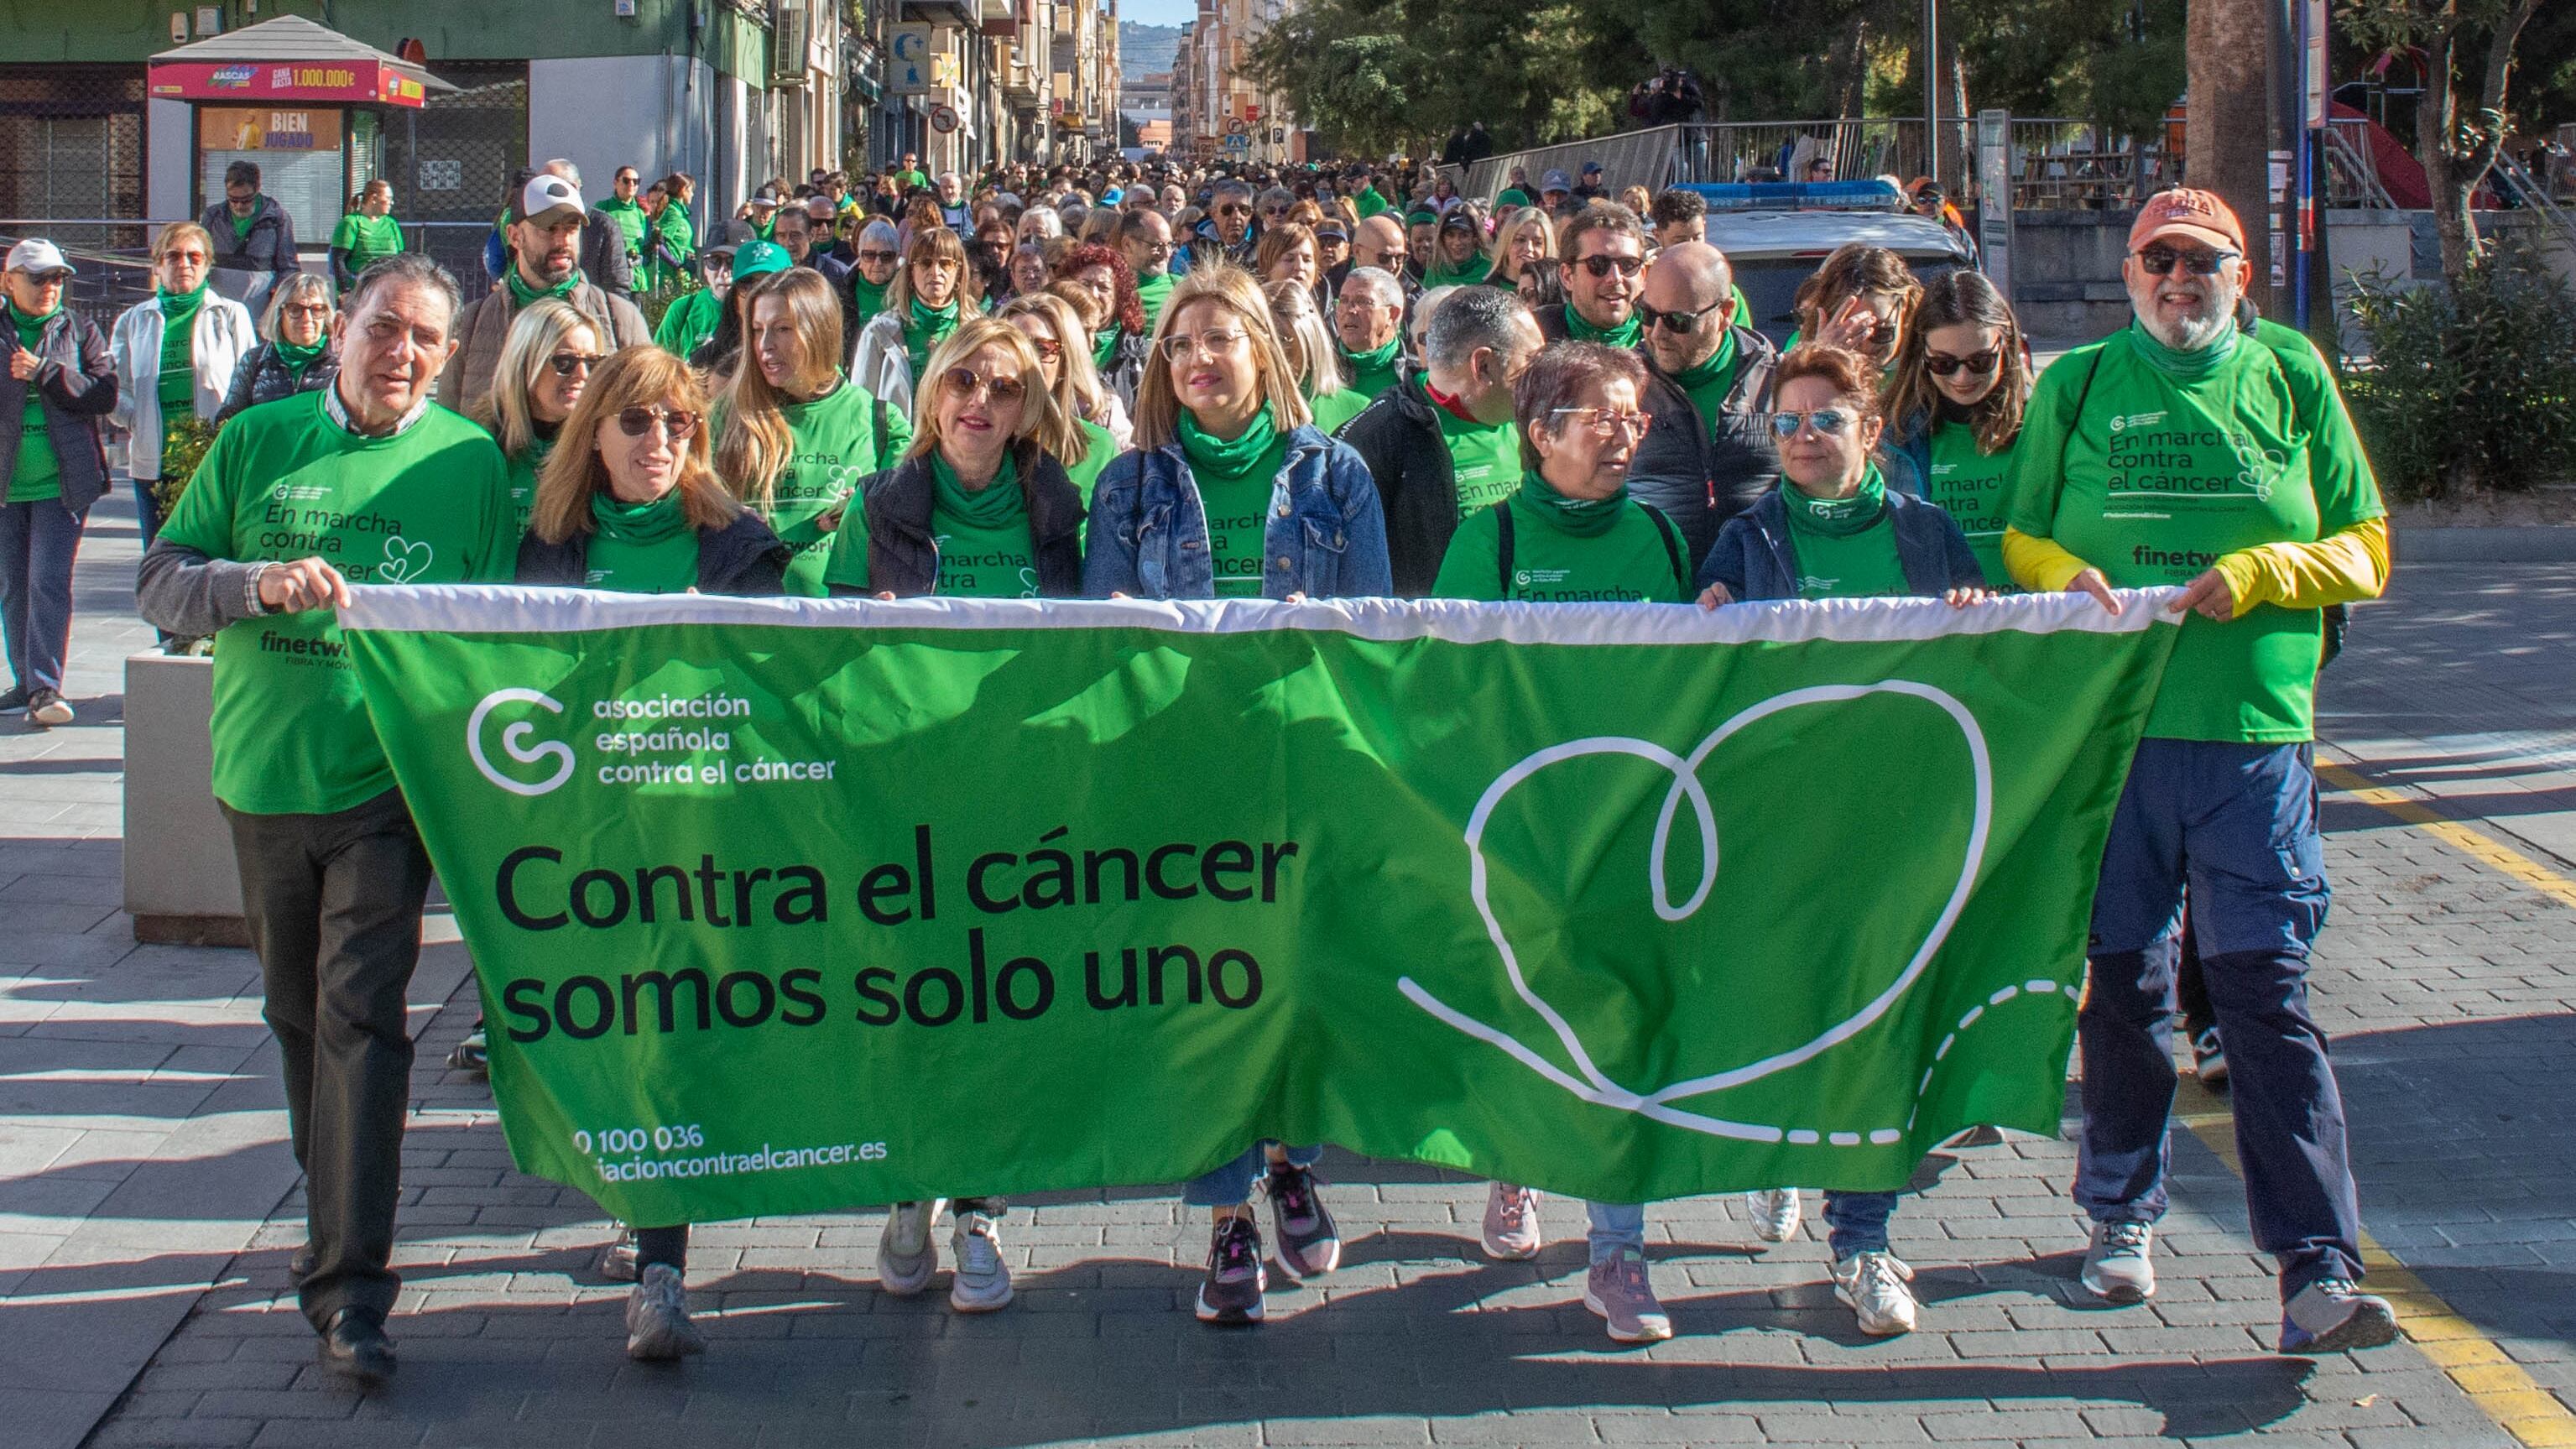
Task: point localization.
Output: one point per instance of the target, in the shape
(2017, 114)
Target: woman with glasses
(930, 295)
(880, 253)
(793, 437)
(1313, 355)
(1957, 398)
(60, 382)
(296, 353)
(546, 363)
(367, 234)
(1119, 342)
(1030, 271)
(992, 257)
(693, 317)
(1064, 360)
(175, 354)
(1860, 299)
(1233, 494)
(1458, 256)
(720, 356)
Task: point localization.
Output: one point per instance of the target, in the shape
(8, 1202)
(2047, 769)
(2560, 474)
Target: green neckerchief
(1375, 360)
(870, 295)
(521, 294)
(1719, 369)
(299, 358)
(1836, 517)
(243, 224)
(2183, 366)
(1582, 517)
(1469, 273)
(1623, 335)
(925, 328)
(30, 329)
(638, 525)
(179, 309)
(991, 506)
(1104, 347)
(1227, 461)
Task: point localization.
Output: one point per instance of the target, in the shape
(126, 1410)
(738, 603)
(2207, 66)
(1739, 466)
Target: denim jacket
(1326, 536)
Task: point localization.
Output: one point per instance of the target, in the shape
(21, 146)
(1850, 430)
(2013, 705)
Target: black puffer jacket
(77, 381)
(1417, 483)
(903, 560)
(262, 377)
(1699, 478)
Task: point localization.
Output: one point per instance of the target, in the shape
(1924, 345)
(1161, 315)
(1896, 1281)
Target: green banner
(786, 905)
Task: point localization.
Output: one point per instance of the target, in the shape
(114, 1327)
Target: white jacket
(878, 362)
(220, 339)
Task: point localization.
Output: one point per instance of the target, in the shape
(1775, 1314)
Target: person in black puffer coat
(295, 353)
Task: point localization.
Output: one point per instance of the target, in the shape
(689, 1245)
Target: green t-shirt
(1968, 484)
(1154, 291)
(1235, 481)
(1336, 408)
(870, 296)
(1484, 459)
(910, 180)
(641, 548)
(1372, 373)
(37, 472)
(924, 328)
(688, 323)
(1846, 547)
(177, 386)
(1085, 471)
(287, 481)
(367, 239)
(631, 220)
(1607, 550)
(1368, 203)
(521, 476)
(834, 447)
(1625, 334)
(2164, 474)
(985, 551)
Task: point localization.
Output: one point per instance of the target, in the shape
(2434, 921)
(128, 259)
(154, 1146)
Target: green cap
(759, 259)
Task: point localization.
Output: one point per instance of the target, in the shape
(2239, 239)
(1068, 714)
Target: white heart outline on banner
(1595, 1086)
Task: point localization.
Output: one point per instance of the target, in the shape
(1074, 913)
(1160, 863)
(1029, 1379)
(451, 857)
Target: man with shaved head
(1704, 458)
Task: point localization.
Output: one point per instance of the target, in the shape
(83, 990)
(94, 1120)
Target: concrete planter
(181, 886)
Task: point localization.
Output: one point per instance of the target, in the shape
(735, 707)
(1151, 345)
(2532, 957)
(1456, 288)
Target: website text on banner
(1631, 903)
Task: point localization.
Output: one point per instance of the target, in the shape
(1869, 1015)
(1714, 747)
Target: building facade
(1227, 116)
(971, 84)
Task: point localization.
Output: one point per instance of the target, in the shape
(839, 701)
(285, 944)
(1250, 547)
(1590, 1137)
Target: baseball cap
(759, 259)
(548, 196)
(38, 257)
(1556, 181)
(764, 197)
(1333, 229)
(1591, 168)
(2184, 212)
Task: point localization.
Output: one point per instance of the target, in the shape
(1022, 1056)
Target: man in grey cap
(545, 231)
(1556, 193)
(604, 257)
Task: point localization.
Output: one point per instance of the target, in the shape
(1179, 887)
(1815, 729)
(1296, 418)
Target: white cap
(546, 194)
(38, 257)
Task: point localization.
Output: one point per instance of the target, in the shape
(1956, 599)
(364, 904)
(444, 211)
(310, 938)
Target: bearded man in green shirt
(366, 481)
(1604, 269)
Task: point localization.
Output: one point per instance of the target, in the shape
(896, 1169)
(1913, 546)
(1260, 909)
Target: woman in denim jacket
(1232, 493)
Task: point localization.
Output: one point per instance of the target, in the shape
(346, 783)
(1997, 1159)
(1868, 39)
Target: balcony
(941, 12)
(1020, 86)
(999, 19)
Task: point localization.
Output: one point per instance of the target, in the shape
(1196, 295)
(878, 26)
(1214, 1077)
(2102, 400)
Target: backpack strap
(883, 430)
(2075, 414)
(1503, 549)
(1672, 546)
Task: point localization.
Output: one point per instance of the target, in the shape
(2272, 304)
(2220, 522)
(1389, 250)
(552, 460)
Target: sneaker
(1616, 1289)
(2209, 1058)
(982, 1282)
(15, 701)
(1512, 1233)
(1873, 1283)
(1232, 1291)
(906, 1257)
(1775, 1212)
(472, 1055)
(2332, 1315)
(48, 708)
(617, 1260)
(2119, 1267)
(657, 1318)
(1308, 1244)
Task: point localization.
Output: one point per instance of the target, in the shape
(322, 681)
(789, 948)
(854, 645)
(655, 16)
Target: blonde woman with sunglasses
(1064, 356)
(793, 436)
(545, 365)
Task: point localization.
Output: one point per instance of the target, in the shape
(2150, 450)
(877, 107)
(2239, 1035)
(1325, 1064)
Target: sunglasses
(1828, 422)
(1676, 321)
(1049, 350)
(1234, 211)
(1603, 266)
(1976, 364)
(566, 364)
(965, 382)
(637, 421)
(870, 254)
(2159, 260)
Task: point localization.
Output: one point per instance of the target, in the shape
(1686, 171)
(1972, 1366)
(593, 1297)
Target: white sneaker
(982, 1281)
(1511, 1228)
(1775, 1212)
(2119, 1264)
(657, 1318)
(1873, 1283)
(906, 1257)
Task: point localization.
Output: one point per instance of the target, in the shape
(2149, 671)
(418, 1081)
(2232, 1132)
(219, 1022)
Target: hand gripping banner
(785, 905)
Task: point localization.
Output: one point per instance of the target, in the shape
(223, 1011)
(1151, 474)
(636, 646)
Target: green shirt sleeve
(1467, 569)
(847, 565)
(345, 236)
(2038, 473)
(2347, 492)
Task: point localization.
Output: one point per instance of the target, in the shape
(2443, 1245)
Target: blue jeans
(1230, 1184)
(1858, 1221)
(38, 541)
(1615, 1225)
(2239, 821)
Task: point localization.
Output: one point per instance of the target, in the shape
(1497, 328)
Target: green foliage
(184, 441)
(656, 299)
(2472, 385)
(2102, 61)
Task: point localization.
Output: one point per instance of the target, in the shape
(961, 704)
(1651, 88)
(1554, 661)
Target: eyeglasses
(1602, 266)
(1677, 321)
(2160, 259)
(1234, 211)
(1215, 344)
(1608, 422)
(1049, 350)
(1153, 248)
(566, 364)
(1977, 364)
(637, 421)
(1828, 422)
(871, 254)
(965, 382)
(307, 309)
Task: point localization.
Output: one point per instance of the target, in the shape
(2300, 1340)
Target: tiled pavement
(143, 1185)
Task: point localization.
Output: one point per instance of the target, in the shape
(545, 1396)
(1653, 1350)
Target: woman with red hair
(1118, 348)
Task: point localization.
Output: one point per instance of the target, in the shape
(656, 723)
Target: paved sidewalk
(2446, 981)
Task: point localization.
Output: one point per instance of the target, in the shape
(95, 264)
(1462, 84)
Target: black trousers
(334, 907)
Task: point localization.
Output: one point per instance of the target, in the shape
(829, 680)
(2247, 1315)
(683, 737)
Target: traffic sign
(915, 67)
(943, 119)
(1238, 141)
(1235, 127)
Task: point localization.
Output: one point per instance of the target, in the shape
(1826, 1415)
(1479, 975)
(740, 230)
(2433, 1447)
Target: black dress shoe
(354, 1346)
(300, 1267)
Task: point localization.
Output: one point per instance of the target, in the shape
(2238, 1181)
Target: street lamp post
(1932, 90)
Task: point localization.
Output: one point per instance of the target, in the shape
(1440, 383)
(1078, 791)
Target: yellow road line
(2501, 1388)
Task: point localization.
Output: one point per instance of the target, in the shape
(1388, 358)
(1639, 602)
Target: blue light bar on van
(1800, 195)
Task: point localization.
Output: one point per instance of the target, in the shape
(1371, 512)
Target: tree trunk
(2455, 160)
(2227, 138)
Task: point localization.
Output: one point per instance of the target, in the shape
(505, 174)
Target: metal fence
(71, 144)
(109, 277)
(1631, 158)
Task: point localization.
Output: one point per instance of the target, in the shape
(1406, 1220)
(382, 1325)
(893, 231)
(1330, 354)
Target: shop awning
(289, 59)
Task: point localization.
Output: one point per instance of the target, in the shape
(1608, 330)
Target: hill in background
(1146, 49)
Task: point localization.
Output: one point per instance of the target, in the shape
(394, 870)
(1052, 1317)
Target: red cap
(2183, 212)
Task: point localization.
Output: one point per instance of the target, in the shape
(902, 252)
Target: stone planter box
(181, 886)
